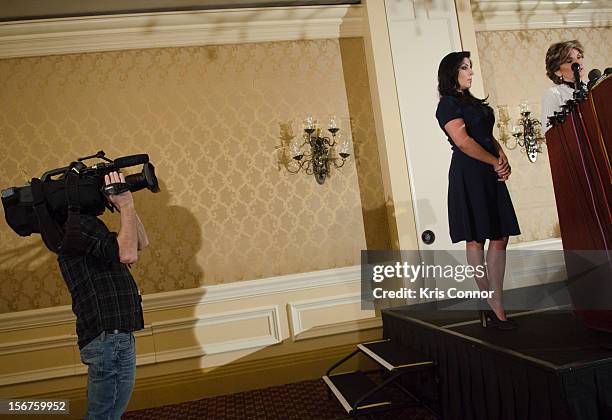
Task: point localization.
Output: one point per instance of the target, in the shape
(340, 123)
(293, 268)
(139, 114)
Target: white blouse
(553, 98)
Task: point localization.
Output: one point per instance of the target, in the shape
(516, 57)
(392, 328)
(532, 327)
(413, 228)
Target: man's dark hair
(448, 71)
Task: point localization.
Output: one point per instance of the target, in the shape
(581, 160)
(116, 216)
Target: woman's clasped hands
(502, 167)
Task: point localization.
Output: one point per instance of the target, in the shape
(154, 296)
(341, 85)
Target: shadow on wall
(283, 152)
(376, 215)
(175, 238)
(526, 11)
(30, 276)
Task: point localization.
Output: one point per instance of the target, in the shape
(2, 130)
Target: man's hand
(122, 200)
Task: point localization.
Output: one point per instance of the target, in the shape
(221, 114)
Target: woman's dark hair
(448, 71)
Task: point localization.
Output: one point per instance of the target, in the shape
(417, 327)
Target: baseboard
(239, 377)
(176, 387)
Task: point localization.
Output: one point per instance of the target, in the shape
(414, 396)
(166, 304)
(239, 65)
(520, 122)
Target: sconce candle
(527, 133)
(319, 155)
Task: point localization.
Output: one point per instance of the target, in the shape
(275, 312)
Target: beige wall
(513, 70)
(212, 120)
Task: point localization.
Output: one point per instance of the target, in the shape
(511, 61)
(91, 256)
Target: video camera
(85, 193)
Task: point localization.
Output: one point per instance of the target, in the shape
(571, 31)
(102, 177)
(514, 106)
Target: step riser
(376, 357)
(338, 395)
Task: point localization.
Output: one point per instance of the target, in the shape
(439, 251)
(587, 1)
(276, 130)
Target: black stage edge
(551, 367)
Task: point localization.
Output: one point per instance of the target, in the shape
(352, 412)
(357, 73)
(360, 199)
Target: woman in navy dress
(479, 205)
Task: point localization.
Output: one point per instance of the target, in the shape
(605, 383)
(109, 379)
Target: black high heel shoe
(489, 319)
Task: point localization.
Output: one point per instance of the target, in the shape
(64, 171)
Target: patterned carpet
(299, 401)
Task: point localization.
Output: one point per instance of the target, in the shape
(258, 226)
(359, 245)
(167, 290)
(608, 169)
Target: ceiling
(14, 10)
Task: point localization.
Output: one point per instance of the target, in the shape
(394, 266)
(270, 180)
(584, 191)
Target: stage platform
(551, 367)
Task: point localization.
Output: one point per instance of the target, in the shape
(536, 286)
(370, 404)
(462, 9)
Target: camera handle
(115, 188)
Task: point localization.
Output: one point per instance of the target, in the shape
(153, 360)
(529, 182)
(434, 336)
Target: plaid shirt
(104, 294)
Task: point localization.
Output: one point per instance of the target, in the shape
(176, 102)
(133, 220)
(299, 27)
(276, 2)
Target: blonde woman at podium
(559, 60)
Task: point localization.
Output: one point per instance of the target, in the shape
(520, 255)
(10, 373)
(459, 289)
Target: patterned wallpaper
(214, 121)
(513, 70)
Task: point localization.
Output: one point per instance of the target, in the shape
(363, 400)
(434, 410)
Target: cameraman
(107, 304)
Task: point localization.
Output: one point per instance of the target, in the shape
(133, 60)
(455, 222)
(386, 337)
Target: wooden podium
(579, 150)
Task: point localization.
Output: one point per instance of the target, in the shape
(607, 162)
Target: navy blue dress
(479, 206)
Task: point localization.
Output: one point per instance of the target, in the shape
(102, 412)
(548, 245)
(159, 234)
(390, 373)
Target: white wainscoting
(46, 336)
(251, 288)
(535, 262)
(306, 311)
(268, 315)
(157, 342)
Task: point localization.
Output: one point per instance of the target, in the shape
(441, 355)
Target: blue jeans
(111, 361)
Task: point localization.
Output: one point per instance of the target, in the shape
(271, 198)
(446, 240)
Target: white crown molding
(502, 15)
(178, 29)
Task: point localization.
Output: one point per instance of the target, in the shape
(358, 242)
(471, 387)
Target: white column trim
(177, 29)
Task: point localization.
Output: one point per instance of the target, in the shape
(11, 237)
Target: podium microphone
(594, 76)
(576, 70)
(580, 92)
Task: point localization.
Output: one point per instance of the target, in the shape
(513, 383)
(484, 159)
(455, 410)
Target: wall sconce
(316, 153)
(527, 132)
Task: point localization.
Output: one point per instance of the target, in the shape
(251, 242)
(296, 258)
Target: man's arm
(128, 237)
(143, 239)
